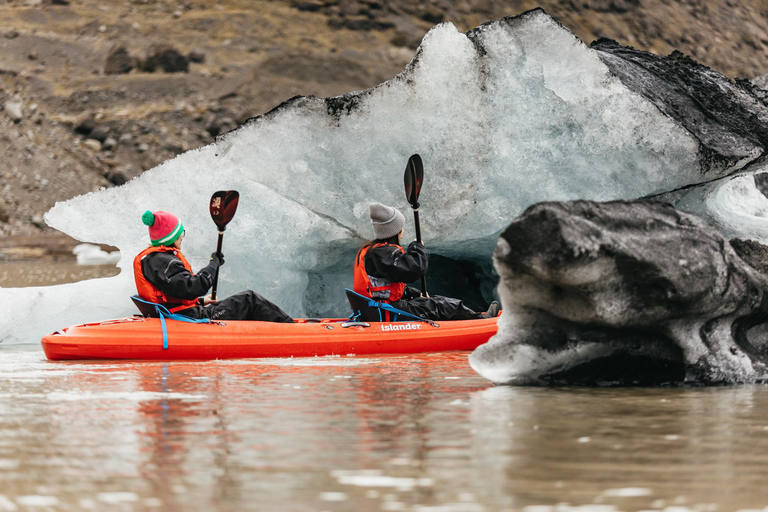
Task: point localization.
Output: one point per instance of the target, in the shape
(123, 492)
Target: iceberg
(514, 112)
(729, 119)
(626, 293)
(736, 205)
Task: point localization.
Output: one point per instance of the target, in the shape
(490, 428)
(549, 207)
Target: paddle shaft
(417, 224)
(216, 275)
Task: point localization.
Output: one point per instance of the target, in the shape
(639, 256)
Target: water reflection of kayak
(143, 338)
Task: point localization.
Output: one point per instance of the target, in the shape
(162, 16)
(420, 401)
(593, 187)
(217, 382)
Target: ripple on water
(414, 433)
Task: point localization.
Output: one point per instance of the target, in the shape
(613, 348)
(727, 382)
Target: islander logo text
(400, 327)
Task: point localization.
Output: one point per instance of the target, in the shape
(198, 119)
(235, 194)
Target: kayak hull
(139, 338)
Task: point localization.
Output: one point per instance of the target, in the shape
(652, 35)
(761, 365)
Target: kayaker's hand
(218, 258)
(209, 300)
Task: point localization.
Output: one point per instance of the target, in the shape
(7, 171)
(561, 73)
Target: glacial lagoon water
(420, 433)
(384, 433)
(43, 273)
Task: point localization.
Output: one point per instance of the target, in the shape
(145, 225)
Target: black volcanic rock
(86, 126)
(119, 61)
(100, 133)
(761, 182)
(625, 293)
(728, 118)
(167, 58)
(752, 252)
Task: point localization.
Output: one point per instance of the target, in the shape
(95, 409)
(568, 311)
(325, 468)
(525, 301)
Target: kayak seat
(154, 310)
(147, 309)
(365, 309)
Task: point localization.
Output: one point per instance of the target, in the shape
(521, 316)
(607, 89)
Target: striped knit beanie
(164, 228)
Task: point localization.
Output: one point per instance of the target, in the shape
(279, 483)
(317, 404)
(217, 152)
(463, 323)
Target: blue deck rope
(164, 314)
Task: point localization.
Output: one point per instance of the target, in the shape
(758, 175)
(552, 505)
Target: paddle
(223, 208)
(414, 177)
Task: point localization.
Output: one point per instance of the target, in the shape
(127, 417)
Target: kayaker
(383, 267)
(163, 275)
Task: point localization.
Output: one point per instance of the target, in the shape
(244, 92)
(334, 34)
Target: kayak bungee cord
(163, 313)
(383, 306)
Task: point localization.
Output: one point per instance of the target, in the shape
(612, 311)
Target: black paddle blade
(414, 177)
(223, 207)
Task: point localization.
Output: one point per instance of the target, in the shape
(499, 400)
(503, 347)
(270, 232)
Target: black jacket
(167, 273)
(389, 263)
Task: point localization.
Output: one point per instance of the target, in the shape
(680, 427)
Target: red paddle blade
(414, 177)
(223, 207)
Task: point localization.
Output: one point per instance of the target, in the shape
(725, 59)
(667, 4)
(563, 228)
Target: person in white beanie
(383, 267)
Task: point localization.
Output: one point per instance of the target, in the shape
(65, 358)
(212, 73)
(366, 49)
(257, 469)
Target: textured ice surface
(625, 293)
(733, 204)
(515, 112)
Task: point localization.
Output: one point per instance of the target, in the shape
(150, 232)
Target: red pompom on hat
(164, 228)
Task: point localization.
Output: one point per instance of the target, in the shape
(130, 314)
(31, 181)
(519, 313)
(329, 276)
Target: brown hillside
(94, 92)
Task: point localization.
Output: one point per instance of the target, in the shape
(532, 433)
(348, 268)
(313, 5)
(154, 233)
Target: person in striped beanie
(164, 228)
(164, 276)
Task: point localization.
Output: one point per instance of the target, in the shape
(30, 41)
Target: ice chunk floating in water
(89, 254)
(514, 112)
(625, 292)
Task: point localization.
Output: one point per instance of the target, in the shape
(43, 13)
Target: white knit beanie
(387, 221)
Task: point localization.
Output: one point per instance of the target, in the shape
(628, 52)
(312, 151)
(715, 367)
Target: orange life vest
(376, 288)
(148, 291)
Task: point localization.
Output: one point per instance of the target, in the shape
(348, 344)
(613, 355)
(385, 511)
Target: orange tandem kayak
(142, 338)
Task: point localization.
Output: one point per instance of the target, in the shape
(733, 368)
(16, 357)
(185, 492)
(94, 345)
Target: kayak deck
(140, 338)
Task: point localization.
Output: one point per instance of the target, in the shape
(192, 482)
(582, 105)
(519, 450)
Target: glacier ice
(625, 292)
(89, 254)
(734, 204)
(514, 112)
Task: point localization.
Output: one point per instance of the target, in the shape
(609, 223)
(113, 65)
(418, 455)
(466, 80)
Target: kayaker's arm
(388, 262)
(168, 274)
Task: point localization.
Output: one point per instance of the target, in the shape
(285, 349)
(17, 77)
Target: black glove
(411, 293)
(217, 258)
